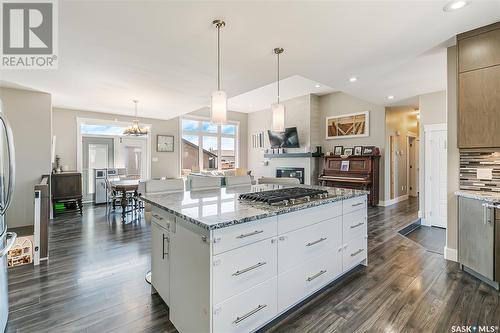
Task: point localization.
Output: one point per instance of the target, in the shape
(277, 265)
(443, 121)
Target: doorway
(97, 154)
(413, 168)
(436, 175)
(131, 154)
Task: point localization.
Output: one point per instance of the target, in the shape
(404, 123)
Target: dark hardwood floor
(94, 282)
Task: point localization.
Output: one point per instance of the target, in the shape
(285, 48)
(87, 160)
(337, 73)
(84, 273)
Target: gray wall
(432, 111)
(297, 114)
(29, 114)
(339, 103)
(65, 130)
(453, 152)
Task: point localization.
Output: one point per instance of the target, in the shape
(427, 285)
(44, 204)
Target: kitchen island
(225, 264)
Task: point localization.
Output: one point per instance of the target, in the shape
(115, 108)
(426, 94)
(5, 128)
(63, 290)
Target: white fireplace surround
(310, 165)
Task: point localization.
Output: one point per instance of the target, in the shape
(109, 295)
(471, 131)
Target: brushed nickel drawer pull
(256, 232)
(358, 204)
(309, 279)
(316, 241)
(357, 225)
(158, 217)
(245, 316)
(357, 252)
(257, 265)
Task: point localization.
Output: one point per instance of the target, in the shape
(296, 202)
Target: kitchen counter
(214, 209)
(227, 265)
(490, 197)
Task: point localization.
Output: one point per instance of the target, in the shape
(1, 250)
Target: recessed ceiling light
(454, 5)
(317, 86)
(353, 79)
(390, 97)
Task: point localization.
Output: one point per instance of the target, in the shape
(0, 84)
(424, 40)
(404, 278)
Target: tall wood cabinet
(479, 87)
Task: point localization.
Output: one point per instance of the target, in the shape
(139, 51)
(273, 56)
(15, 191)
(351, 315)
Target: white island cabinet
(240, 275)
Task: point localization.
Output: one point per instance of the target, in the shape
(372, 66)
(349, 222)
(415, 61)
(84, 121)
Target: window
(206, 146)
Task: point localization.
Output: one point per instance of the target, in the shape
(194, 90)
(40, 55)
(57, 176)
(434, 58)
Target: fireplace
(291, 173)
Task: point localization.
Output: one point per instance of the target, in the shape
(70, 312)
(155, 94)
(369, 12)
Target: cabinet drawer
(299, 246)
(353, 204)
(225, 239)
(354, 253)
(355, 225)
(162, 218)
(301, 281)
(247, 311)
(242, 268)
(303, 218)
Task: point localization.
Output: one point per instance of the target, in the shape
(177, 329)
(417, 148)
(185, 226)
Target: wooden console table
(67, 187)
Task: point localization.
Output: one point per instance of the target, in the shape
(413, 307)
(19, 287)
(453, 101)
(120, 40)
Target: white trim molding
(393, 201)
(450, 254)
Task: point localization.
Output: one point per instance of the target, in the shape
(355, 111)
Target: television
(287, 139)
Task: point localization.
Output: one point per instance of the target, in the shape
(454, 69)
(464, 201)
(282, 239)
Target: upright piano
(362, 172)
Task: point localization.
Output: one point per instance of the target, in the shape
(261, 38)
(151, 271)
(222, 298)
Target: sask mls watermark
(29, 34)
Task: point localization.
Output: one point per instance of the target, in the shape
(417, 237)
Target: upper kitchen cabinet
(479, 87)
(479, 51)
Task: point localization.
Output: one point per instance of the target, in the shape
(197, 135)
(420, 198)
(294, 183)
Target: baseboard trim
(450, 254)
(393, 201)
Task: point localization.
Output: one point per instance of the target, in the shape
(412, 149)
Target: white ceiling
(163, 53)
(262, 97)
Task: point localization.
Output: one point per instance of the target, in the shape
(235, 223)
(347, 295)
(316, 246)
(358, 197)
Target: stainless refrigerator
(7, 170)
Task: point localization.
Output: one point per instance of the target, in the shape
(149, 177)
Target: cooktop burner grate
(284, 195)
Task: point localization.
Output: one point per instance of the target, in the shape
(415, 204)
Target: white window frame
(219, 135)
(93, 121)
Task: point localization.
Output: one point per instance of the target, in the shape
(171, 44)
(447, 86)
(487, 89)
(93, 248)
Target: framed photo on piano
(338, 150)
(358, 150)
(367, 151)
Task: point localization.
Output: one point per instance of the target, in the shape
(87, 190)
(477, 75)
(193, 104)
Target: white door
(132, 154)
(435, 174)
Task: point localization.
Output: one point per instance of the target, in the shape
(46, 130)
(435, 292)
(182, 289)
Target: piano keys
(363, 173)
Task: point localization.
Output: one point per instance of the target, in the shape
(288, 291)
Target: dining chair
(159, 186)
(238, 180)
(111, 197)
(279, 181)
(198, 183)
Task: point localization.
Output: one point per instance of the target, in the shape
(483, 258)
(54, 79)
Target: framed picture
(338, 150)
(347, 151)
(368, 150)
(164, 143)
(358, 150)
(348, 125)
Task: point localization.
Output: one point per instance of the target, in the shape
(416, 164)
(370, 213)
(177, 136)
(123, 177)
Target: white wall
(432, 111)
(65, 130)
(339, 103)
(29, 114)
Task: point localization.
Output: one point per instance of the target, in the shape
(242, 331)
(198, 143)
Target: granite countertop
(214, 209)
(491, 197)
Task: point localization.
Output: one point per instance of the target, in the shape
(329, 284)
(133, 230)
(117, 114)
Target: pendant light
(278, 109)
(218, 103)
(135, 129)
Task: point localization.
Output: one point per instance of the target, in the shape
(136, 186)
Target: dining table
(125, 186)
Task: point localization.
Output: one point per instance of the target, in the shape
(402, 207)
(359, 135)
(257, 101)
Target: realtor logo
(29, 34)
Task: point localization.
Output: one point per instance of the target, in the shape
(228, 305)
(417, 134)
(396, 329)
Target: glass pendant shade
(218, 107)
(278, 110)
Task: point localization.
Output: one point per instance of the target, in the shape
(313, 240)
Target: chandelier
(135, 129)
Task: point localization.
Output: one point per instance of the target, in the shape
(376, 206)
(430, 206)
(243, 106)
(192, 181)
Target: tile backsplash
(482, 163)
